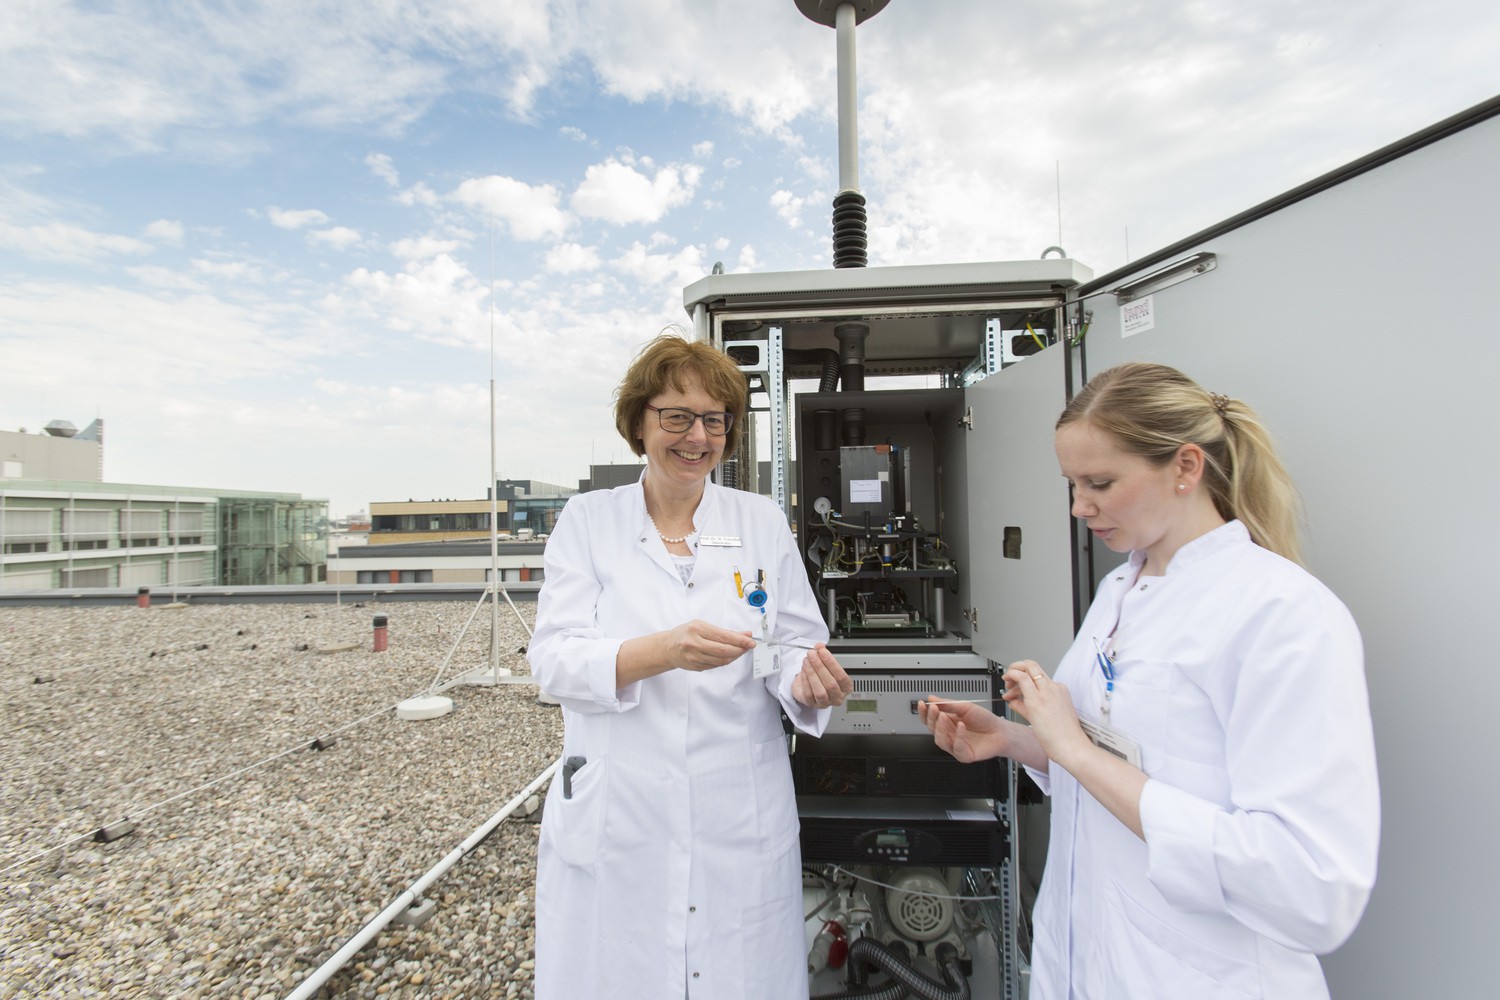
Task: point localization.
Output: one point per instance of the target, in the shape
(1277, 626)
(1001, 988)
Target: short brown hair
(669, 360)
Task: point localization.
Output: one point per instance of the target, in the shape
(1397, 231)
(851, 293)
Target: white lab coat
(676, 861)
(1242, 678)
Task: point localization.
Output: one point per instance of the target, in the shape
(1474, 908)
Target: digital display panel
(891, 838)
(862, 705)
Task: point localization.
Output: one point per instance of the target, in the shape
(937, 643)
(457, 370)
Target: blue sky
(259, 239)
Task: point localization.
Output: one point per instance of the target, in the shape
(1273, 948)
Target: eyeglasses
(677, 420)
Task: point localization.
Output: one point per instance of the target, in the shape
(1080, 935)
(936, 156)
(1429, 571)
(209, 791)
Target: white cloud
(165, 278)
(703, 150)
(438, 299)
(120, 71)
(423, 247)
(576, 134)
(295, 218)
(338, 237)
(418, 194)
(680, 268)
(383, 167)
(124, 72)
(120, 340)
(616, 192)
(164, 230)
(788, 207)
(57, 241)
(568, 258)
(531, 213)
(650, 50)
(814, 170)
(236, 270)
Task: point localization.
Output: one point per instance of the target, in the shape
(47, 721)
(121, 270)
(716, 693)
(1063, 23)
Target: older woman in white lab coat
(675, 626)
(1215, 813)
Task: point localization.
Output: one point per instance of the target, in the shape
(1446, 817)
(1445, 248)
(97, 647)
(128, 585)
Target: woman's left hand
(1048, 706)
(822, 682)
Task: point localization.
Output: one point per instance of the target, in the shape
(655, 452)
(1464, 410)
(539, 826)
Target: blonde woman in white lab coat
(1228, 835)
(669, 863)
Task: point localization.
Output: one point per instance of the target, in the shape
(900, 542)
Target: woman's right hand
(968, 731)
(700, 645)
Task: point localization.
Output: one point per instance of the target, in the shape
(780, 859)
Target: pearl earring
(1182, 486)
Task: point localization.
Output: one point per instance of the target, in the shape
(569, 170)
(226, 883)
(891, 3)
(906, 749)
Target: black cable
(868, 951)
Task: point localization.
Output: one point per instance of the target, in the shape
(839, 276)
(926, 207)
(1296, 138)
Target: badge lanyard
(767, 658)
(1104, 652)
(1107, 668)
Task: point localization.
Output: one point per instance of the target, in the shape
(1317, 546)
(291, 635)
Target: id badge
(1112, 741)
(766, 660)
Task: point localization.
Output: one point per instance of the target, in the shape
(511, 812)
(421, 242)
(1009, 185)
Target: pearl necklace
(669, 541)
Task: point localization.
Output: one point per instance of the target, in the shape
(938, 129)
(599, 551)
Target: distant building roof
(453, 547)
(19, 486)
(533, 488)
(607, 477)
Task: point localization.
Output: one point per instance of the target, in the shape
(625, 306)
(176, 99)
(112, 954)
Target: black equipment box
(901, 831)
(888, 766)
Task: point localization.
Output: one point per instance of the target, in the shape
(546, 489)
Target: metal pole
(494, 533)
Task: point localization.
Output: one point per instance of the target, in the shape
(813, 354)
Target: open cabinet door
(1019, 561)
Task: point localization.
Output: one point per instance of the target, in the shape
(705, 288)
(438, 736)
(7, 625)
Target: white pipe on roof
(366, 934)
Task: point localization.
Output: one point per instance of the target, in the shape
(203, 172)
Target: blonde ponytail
(1152, 410)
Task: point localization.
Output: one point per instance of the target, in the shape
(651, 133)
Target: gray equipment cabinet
(893, 422)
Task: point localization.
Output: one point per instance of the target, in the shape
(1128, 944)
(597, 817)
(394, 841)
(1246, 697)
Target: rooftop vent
(61, 429)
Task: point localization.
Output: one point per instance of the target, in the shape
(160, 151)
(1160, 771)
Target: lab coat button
(692, 909)
(695, 975)
(690, 585)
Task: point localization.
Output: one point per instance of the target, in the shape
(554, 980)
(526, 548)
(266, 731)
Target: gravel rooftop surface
(242, 884)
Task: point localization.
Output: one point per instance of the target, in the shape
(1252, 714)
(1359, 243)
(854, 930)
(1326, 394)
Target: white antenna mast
(850, 239)
(496, 587)
(1057, 164)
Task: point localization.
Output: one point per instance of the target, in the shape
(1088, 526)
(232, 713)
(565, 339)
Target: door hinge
(967, 423)
(971, 615)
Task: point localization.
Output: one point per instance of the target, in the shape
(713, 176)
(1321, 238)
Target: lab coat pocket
(775, 800)
(1138, 707)
(572, 827)
(1140, 954)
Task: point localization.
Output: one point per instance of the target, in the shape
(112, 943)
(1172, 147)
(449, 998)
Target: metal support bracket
(418, 913)
(988, 361)
(114, 831)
